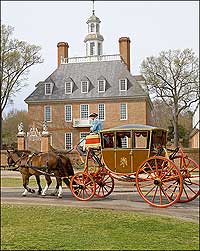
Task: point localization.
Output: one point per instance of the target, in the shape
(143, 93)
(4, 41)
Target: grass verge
(25, 227)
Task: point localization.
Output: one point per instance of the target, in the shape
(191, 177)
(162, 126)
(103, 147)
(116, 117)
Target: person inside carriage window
(97, 124)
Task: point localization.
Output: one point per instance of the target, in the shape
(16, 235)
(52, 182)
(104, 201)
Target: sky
(152, 26)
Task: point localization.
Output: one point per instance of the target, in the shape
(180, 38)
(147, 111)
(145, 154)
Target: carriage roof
(138, 127)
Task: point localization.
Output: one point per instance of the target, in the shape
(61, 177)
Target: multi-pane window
(92, 27)
(84, 111)
(48, 89)
(68, 140)
(47, 114)
(101, 108)
(123, 84)
(68, 87)
(101, 85)
(92, 48)
(84, 86)
(99, 48)
(68, 113)
(123, 111)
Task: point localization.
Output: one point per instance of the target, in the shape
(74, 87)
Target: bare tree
(16, 59)
(173, 77)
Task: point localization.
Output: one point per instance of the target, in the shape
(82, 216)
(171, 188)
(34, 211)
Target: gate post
(45, 139)
(21, 137)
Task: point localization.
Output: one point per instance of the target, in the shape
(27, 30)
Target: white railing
(82, 123)
(74, 60)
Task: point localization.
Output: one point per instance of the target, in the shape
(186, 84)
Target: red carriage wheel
(190, 172)
(156, 182)
(82, 186)
(104, 184)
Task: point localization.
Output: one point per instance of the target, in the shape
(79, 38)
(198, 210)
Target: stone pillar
(21, 136)
(45, 139)
(21, 142)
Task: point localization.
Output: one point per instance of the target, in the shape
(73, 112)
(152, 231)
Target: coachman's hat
(94, 114)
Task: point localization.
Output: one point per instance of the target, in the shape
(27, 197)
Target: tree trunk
(176, 131)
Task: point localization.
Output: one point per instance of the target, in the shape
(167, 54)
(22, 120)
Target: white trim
(45, 113)
(68, 82)
(103, 111)
(69, 133)
(81, 112)
(126, 112)
(66, 113)
(50, 87)
(82, 86)
(104, 85)
(120, 84)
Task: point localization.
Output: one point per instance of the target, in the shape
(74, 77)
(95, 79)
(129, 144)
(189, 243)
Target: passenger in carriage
(97, 124)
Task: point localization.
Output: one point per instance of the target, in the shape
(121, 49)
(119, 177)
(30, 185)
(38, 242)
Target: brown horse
(48, 164)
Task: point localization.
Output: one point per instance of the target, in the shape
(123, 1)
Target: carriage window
(123, 139)
(141, 139)
(108, 140)
(158, 138)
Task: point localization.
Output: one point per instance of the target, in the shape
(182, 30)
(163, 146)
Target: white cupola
(94, 40)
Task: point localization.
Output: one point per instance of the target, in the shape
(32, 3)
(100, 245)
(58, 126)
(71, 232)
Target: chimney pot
(62, 51)
(124, 50)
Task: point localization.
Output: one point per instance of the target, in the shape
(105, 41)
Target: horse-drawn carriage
(130, 153)
(136, 153)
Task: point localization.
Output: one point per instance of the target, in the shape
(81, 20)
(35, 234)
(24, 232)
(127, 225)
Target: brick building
(94, 83)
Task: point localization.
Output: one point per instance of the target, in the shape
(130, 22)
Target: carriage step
(128, 177)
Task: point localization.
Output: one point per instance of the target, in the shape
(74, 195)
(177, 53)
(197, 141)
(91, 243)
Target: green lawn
(17, 182)
(25, 227)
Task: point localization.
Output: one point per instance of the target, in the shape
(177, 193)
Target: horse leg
(38, 182)
(49, 181)
(60, 190)
(25, 185)
(55, 192)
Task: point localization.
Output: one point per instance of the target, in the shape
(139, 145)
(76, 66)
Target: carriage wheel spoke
(166, 195)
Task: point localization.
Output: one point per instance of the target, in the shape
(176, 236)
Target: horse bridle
(15, 162)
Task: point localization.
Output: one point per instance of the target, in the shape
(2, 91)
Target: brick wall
(139, 112)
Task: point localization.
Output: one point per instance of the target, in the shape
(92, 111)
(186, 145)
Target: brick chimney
(62, 51)
(124, 50)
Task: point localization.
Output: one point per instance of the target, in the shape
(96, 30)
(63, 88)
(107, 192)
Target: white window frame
(103, 82)
(48, 88)
(124, 83)
(92, 48)
(70, 91)
(123, 116)
(50, 113)
(86, 112)
(101, 111)
(87, 87)
(68, 115)
(70, 144)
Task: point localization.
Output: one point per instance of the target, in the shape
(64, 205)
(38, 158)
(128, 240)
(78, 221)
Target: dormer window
(48, 88)
(101, 85)
(84, 86)
(123, 84)
(68, 87)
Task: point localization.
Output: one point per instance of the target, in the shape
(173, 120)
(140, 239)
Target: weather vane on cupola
(93, 7)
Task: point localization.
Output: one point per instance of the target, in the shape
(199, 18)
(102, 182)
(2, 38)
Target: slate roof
(111, 71)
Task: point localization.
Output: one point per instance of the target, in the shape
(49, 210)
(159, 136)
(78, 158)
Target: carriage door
(140, 147)
(123, 152)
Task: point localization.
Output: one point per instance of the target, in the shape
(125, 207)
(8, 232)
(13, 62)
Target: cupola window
(92, 45)
(92, 27)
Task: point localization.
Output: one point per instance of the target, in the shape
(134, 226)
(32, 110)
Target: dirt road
(124, 197)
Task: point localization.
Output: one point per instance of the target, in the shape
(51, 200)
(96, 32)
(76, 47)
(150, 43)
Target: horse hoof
(39, 193)
(24, 195)
(59, 196)
(32, 191)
